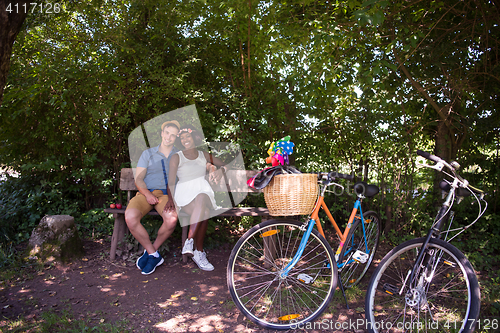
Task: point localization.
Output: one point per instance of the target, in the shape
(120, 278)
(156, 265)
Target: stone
(55, 239)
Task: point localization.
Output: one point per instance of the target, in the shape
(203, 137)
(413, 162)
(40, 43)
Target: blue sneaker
(153, 262)
(142, 260)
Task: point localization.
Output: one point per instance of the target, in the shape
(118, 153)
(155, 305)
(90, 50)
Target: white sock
(156, 254)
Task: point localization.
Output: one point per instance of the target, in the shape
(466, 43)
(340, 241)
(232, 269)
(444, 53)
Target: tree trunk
(389, 223)
(12, 16)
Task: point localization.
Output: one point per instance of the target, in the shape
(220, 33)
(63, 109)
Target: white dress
(191, 175)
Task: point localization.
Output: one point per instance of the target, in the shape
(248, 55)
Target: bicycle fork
(306, 278)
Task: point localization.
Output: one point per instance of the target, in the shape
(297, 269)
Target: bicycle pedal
(304, 278)
(390, 289)
(360, 257)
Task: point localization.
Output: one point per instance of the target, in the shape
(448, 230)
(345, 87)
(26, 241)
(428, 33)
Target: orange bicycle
(283, 273)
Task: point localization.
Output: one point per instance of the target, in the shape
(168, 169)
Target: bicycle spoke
(441, 294)
(259, 286)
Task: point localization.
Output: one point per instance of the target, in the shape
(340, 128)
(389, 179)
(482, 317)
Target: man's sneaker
(153, 262)
(142, 260)
(188, 246)
(200, 258)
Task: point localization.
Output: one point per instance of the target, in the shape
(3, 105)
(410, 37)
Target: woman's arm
(214, 160)
(172, 176)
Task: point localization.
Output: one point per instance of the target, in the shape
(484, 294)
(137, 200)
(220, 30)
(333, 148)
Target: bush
(95, 224)
(58, 186)
(25, 200)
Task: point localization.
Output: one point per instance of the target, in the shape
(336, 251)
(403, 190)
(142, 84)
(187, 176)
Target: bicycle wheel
(444, 298)
(357, 255)
(257, 287)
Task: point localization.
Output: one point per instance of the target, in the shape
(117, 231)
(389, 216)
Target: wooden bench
(127, 183)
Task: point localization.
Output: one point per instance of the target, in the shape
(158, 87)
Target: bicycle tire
(353, 270)
(447, 301)
(255, 285)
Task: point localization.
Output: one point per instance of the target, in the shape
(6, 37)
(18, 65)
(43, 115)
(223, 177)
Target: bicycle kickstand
(343, 292)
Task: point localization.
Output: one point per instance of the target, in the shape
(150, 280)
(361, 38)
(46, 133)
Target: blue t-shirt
(156, 178)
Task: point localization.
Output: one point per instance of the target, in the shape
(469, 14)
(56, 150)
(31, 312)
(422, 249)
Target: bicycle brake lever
(332, 183)
(435, 167)
(438, 166)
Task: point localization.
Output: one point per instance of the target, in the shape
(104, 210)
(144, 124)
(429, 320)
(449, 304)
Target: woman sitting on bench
(192, 193)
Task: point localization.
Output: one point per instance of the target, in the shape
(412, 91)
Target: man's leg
(169, 220)
(166, 229)
(133, 219)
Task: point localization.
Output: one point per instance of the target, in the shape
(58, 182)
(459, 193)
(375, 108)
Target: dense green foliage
(358, 85)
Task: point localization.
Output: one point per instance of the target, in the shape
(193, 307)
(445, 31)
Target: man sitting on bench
(151, 179)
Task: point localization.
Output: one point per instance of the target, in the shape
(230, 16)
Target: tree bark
(11, 21)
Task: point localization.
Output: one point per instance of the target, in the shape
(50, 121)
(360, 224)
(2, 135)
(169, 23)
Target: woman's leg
(198, 210)
(200, 235)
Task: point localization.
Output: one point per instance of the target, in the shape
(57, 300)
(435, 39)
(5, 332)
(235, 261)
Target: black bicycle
(427, 284)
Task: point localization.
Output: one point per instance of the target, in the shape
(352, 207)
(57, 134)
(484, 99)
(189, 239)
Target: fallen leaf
(194, 298)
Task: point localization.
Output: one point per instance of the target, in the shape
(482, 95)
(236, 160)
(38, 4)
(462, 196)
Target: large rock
(55, 238)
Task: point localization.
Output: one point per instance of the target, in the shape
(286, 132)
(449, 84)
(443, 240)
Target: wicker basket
(291, 194)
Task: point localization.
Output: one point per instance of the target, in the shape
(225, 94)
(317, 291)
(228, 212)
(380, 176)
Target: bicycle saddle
(365, 189)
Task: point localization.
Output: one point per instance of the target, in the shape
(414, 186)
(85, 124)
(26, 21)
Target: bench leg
(270, 249)
(118, 234)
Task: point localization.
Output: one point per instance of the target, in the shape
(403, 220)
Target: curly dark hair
(195, 134)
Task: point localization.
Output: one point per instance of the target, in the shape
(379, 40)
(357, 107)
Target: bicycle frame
(435, 232)
(443, 216)
(314, 220)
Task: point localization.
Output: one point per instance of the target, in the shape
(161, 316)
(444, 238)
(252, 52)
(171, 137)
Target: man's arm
(140, 173)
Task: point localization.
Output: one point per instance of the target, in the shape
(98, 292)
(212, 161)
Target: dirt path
(178, 297)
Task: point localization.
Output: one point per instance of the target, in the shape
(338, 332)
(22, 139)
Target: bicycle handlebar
(436, 159)
(429, 156)
(332, 175)
(335, 174)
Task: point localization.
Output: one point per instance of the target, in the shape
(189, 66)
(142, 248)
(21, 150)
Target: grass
(63, 321)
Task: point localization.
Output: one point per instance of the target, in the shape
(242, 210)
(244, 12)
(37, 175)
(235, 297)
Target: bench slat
(236, 211)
